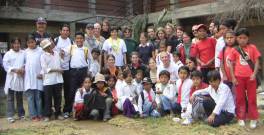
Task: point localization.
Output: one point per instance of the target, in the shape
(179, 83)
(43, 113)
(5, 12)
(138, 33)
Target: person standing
(131, 44)
(41, 32)
(13, 62)
(79, 62)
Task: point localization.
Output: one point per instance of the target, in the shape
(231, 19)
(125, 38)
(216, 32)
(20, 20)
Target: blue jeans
(11, 103)
(167, 104)
(34, 102)
(148, 110)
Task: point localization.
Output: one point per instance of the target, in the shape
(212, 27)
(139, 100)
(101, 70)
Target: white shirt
(94, 67)
(220, 44)
(173, 69)
(33, 69)
(63, 44)
(146, 99)
(48, 63)
(78, 56)
(78, 96)
(128, 91)
(14, 60)
(138, 85)
(185, 91)
(118, 52)
(222, 97)
(169, 91)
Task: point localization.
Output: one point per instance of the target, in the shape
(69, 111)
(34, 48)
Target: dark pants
(205, 72)
(223, 118)
(66, 87)
(52, 91)
(76, 76)
(11, 103)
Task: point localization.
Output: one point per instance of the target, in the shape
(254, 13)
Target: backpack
(56, 40)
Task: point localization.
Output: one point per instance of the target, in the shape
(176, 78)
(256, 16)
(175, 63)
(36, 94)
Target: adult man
(62, 43)
(40, 33)
(131, 44)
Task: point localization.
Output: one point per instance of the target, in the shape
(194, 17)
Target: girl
(33, 79)
(162, 48)
(220, 108)
(110, 68)
(136, 64)
(13, 63)
(166, 94)
(52, 79)
(246, 63)
(183, 86)
(78, 105)
(161, 37)
(145, 49)
(184, 48)
(171, 38)
(191, 63)
(111, 82)
(230, 39)
(127, 96)
(153, 70)
(100, 100)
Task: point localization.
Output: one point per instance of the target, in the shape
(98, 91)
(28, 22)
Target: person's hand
(192, 99)
(159, 92)
(211, 118)
(60, 71)
(154, 105)
(253, 77)
(234, 81)
(62, 53)
(224, 77)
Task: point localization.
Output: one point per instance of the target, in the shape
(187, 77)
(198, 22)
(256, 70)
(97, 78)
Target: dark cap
(89, 25)
(201, 26)
(146, 80)
(41, 20)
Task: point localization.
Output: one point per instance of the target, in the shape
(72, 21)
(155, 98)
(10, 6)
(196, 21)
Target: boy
(220, 109)
(166, 93)
(138, 81)
(52, 79)
(176, 58)
(146, 101)
(94, 65)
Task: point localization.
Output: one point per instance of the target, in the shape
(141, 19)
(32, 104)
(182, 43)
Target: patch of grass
(18, 132)
(3, 106)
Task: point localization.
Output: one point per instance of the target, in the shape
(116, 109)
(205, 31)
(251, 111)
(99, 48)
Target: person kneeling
(146, 101)
(221, 108)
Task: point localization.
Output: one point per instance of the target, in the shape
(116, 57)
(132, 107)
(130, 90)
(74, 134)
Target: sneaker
(35, 119)
(22, 118)
(253, 124)
(10, 119)
(187, 121)
(176, 119)
(46, 119)
(66, 115)
(241, 123)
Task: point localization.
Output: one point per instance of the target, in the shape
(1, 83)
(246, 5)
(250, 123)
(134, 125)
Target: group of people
(104, 72)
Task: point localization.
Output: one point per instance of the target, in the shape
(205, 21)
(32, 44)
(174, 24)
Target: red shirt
(242, 69)
(204, 50)
(227, 64)
(201, 86)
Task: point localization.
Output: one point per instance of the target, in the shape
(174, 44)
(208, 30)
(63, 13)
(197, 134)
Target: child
(166, 94)
(230, 39)
(78, 105)
(221, 108)
(191, 63)
(95, 65)
(138, 81)
(184, 48)
(197, 79)
(136, 64)
(246, 63)
(14, 66)
(176, 58)
(183, 85)
(111, 82)
(33, 79)
(162, 48)
(153, 70)
(146, 101)
(145, 49)
(127, 96)
(50, 62)
(100, 100)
